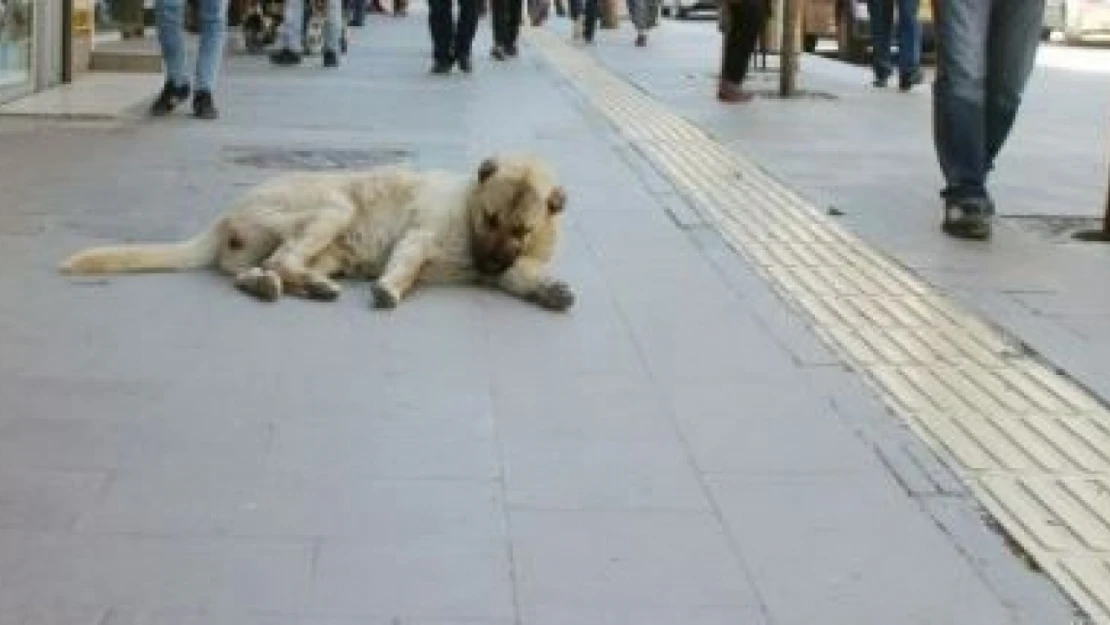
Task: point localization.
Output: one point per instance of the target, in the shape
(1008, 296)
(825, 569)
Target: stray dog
(299, 232)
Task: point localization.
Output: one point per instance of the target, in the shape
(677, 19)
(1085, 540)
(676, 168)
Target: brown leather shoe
(732, 94)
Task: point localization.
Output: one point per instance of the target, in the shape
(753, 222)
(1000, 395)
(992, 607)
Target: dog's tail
(199, 251)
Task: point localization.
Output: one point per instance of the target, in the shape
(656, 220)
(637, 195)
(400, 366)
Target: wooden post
(789, 48)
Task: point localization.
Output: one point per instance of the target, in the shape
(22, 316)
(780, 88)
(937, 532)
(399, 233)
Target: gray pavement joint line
(997, 414)
(503, 485)
(714, 506)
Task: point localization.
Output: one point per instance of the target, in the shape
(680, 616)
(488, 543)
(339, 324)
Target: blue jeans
(881, 13)
(293, 25)
(170, 18)
(986, 50)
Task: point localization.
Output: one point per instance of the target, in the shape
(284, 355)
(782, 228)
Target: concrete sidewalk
(680, 449)
(869, 154)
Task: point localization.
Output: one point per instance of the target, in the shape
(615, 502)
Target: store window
(16, 52)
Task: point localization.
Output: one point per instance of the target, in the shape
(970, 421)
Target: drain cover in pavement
(314, 159)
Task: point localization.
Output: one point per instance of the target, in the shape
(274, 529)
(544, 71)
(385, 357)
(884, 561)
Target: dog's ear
(486, 169)
(557, 200)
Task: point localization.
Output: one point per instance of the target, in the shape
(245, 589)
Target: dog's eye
(520, 231)
(491, 220)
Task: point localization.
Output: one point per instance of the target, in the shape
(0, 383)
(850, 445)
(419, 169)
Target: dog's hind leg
(291, 260)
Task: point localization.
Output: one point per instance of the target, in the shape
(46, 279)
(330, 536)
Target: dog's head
(512, 212)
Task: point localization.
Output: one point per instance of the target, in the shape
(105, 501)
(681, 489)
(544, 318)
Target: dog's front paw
(554, 296)
(383, 297)
(261, 283)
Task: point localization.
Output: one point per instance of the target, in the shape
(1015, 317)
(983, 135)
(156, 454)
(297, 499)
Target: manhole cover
(314, 159)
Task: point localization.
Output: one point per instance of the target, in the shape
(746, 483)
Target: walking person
(909, 42)
(644, 15)
(169, 16)
(505, 15)
(740, 23)
(451, 41)
(986, 50)
(292, 28)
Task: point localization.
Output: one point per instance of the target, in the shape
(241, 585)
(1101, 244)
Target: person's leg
(576, 15)
(909, 44)
(513, 15)
(170, 17)
(290, 41)
(637, 14)
(358, 13)
(959, 95)
(332, 27)
(732, 67)
(441, 26)
(497, 10)
(590, 16)
(959, 115)
(1011, 54)
(213, 34)
(464, 34)
(881, 13)
(745, 21)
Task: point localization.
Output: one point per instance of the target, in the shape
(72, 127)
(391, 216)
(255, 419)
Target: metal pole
(788, 49)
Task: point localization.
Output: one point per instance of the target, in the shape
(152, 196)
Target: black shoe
(441, 67)
(880, 81)
(511, 50)
(203, 106)
(641, 40)
(968, 218)
(356, 24)
(170, 97)
(498, 53)
(285, 57)
(331, 59)
(908, 81)
(465, 64)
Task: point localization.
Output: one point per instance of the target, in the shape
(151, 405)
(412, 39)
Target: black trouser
(745, 21)
(505, 15)
(590, 11)
(451, 41)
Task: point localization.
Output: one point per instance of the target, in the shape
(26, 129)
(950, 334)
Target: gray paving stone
(45, 500)
(46, 569)
(177, 501)
(597, 474)
(855, 550)
(625, 561)
(128, 616)
(320, 449)
(760, 429)
(611, 407)
(288, 504)
(63, 444)
(454, 572)
(709, 615)
(22, 614)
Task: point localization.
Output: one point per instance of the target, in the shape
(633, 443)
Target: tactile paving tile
(1032, 445)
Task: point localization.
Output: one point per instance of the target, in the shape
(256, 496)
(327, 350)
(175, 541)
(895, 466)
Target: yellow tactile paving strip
(1033, 446)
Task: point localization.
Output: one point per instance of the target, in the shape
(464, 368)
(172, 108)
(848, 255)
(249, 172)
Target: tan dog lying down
(295, 233)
